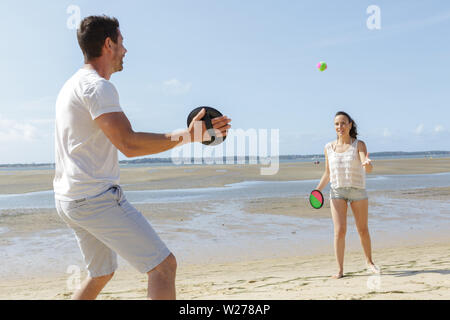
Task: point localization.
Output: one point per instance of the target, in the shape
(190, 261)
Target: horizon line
(246, 156)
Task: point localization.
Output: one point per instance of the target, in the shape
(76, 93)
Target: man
(90, 128)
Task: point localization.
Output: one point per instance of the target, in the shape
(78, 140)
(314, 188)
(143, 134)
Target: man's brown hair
(93, 32)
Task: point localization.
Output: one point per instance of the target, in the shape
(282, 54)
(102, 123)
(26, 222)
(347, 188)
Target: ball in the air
(321, 66)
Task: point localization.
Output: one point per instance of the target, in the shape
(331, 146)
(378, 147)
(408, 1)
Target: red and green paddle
(316, 199)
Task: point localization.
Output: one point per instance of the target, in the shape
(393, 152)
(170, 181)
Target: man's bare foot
(338, 276)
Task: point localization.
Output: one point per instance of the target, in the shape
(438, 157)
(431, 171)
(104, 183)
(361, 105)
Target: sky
(254, 60)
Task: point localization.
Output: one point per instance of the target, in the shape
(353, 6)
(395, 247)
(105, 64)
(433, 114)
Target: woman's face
(342, 125)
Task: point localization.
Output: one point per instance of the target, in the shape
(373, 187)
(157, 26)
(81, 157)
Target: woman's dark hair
(93, 32)
(354, 129)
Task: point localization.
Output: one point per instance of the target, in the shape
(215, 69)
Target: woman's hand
(367, 161)
(367, 164)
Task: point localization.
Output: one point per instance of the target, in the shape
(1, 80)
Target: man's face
(119, 52)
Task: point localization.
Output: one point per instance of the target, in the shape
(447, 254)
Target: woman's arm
(326, 175)
(364, 157)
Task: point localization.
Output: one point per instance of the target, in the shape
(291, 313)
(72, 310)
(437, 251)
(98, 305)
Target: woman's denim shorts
(348, 194)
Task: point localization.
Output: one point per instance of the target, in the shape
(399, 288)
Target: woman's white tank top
(345, 167)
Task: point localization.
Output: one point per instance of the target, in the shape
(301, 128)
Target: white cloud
(439, 128)
(49, 122)
(172, 87)
(176, 87)
(12, 130)
(419, 129)
(387, 133)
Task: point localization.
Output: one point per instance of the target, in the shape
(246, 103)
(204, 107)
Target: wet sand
(293, 206)
(197, 176)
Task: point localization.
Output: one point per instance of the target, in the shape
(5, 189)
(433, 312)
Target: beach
(238, 234)
(415, 272)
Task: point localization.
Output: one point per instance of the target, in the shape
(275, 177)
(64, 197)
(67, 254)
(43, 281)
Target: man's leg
(100, 260)
(161, 280)
(108, 225)
(91, 287)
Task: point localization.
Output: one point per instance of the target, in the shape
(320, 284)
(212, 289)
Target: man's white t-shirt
(86, 162)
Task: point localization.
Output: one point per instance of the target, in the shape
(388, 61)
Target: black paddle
(210, 114)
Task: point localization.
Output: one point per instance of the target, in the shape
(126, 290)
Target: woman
(346, 162)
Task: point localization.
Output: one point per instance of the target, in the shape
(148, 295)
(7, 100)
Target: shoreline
(203, 176)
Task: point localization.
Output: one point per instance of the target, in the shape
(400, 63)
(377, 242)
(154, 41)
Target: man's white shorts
(108, 224)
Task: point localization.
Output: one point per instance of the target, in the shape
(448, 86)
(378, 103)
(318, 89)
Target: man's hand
(197, 128)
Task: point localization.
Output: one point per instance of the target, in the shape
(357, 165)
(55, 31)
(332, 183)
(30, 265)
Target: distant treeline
(289, 157)
(19, 165)
(246, 159)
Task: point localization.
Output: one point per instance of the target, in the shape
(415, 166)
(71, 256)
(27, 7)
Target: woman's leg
(339, 214)
(361, 213)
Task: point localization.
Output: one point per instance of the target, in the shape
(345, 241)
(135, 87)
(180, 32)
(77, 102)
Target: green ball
(322, 65)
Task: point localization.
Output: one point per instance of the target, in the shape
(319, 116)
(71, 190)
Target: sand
(417, 272)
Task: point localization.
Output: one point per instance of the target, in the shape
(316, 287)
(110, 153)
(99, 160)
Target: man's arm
(117, 127)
